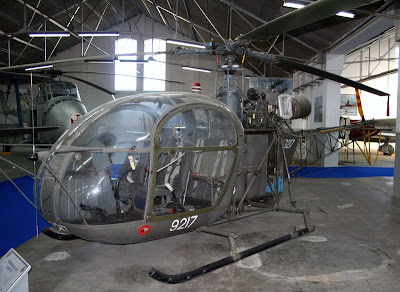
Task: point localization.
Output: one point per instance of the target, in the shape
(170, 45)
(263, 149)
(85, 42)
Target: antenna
(34, 162)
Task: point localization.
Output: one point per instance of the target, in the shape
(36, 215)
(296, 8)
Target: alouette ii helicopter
(154, 165)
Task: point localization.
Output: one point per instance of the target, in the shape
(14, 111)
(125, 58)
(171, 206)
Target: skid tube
(180, 278)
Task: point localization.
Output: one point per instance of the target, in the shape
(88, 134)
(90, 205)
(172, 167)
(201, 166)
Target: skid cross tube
(175, 279)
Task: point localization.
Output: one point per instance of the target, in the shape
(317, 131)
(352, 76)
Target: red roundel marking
(144, 229)
(74, 118)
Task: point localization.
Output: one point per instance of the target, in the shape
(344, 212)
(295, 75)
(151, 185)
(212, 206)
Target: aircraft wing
(25, 130)
(385, 124)
(388, 134)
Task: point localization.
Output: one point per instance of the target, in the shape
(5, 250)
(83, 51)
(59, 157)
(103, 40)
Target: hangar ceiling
(201, 20)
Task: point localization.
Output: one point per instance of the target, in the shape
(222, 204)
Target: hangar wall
(359, 67)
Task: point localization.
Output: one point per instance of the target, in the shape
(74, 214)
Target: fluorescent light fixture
(98, 33)
(293, 5)
(196, 69)
(39, 67)
(48, 34)
(345, 14)
(187, 44)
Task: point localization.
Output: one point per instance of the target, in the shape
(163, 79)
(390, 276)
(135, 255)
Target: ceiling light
(345, 14)
(39, 67)
(48, 34)
(196, 69)
(98, 33)
(293, 5)
(187, 44)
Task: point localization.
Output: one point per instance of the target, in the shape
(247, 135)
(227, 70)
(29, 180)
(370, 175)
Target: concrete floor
(356, 247)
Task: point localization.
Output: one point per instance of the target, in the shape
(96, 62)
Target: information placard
(13, 270)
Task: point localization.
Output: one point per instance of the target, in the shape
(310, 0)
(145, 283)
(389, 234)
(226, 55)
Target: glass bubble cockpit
(138, 159)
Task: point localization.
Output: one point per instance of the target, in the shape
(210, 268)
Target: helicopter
(56, 105)
(153, 165)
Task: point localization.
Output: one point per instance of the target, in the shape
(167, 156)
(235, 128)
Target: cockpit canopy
(48, 91)
(127, 155)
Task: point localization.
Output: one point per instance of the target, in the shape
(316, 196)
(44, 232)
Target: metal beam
(235, 7)
(373, 60)
(209, 21)
(356, 28)
(57, 24)
(361, 11)
(41, 22)
(8, 17)
(59, 39)
(21, 41)
(261, 74)
(11, 52)
(97, 26)
(273, 44)
(191, 26)
(162, 17)
(304, 44)
(177, 24)
(30, 22)
(186, 20)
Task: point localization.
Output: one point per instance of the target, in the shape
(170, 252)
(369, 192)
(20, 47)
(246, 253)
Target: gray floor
(356, 247)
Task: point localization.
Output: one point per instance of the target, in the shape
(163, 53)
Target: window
(124, 67)
(153, 69)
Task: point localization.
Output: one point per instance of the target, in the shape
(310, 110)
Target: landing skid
(180, 278)
(56, 234)
(234, 256)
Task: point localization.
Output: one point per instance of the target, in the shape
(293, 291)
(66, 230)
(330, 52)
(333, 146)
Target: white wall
(375, 106)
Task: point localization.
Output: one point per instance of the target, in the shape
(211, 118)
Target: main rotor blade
(124, 75)
(80, 59)
(287, 64)
(311, 13)
(23, 78)
(91, 84)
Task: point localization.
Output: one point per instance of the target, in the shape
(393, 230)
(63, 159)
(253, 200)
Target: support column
(140, 68)
(396, 182)
(331, 102)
